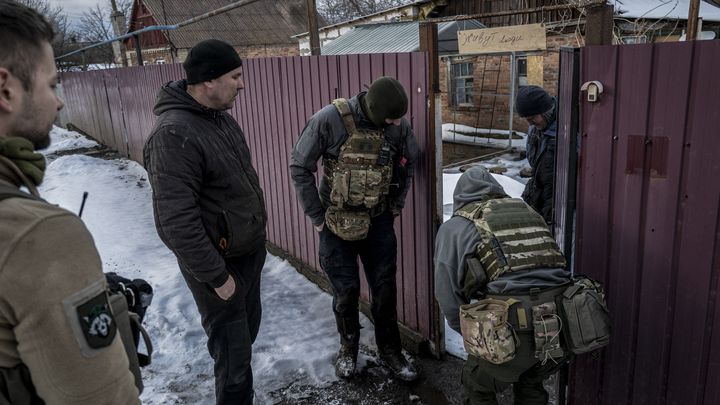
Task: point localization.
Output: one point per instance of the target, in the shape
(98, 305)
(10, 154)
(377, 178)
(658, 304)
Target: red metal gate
(648, 222)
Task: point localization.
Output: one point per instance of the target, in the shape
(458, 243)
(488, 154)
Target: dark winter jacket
(540, 189)
(323, 136)
(205, 189)
(457, 240)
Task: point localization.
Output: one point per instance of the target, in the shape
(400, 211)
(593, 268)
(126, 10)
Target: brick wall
(261, 51)
(491, 75)
(150, 56)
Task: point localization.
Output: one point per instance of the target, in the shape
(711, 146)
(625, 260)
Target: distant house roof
(663, 9)
(368, 17)
(265, 22)
(396, 37)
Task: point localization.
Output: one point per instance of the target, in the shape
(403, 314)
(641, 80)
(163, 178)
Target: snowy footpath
(297, 341)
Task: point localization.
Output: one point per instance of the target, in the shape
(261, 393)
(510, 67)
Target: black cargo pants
(378, 253)
(232, 326)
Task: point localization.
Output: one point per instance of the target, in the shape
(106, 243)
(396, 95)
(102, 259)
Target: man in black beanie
(540, 110)
(368, 152)
(209, 208)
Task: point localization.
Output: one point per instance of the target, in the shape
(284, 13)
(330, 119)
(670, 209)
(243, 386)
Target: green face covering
(21, 152)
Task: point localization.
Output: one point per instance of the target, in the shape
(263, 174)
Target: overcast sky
(75, 8)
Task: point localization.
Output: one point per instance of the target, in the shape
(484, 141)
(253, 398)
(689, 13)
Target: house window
(522, 71)
(462, 84)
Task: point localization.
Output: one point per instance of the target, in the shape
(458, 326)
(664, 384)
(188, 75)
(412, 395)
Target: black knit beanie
(385, 98)
(532, 100)
(209, 60)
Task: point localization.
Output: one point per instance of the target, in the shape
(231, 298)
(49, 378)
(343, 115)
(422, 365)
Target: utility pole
(692, 27)
(313, 28)
(117, 19)
(599, 24)
(428, 37)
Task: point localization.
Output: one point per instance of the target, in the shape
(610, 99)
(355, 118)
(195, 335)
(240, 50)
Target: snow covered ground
(297, 340)
(62, 139)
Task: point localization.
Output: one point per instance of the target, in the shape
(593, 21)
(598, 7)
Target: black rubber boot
(349, 329)
(347, 356)
(398, 364)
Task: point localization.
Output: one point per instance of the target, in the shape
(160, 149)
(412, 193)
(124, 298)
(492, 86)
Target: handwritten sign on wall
(529, 37)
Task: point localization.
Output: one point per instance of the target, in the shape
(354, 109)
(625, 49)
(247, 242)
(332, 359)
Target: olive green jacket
(48, 266)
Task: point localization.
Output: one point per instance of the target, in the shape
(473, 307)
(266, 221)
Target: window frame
(467, 70)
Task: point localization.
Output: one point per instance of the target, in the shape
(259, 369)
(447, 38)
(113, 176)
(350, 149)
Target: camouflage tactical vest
(359, 178)
(361, 175)
(513, 237)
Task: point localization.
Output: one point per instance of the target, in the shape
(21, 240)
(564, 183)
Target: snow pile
(62, 139)
(458, 133)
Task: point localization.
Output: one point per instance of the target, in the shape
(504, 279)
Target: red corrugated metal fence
(648, 222)
(115, 106)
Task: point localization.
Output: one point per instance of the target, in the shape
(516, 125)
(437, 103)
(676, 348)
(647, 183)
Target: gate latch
(594, 89)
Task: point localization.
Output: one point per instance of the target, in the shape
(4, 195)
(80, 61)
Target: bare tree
(65, 38)
(335, 11)
(95, 26)
(54, 14)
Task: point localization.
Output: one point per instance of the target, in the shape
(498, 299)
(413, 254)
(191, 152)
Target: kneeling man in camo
(501, 281)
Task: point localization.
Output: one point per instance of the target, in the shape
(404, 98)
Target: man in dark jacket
(540, 110)
(209, 208)
(368, 153)
(466, 269)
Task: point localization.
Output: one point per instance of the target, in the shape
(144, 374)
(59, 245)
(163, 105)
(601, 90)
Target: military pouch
(347, 225)
(340, 187)
(359, 187)
(547, 327)
(586, 316)
(486, 331)
(475, 278)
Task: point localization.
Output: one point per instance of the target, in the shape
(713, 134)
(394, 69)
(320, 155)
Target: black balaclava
(385, 99)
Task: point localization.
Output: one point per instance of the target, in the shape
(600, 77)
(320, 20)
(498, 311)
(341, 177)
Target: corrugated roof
(664, 9)
(395, 37)
(266, 22)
